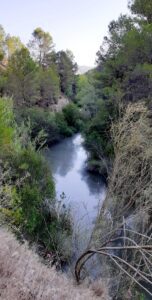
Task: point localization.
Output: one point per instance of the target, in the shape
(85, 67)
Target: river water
(82, 191)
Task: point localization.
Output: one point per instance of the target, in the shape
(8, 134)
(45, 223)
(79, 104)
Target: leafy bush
(97, 133)
(54, 125)
(6, 121)
(49, 84)
(72, 117)
(27, 188)
(41, 120)
(64, 129)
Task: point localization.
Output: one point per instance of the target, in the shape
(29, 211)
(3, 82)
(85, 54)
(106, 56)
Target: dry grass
(128, 204)
(131, 181)
(130, 184)
(24, 277)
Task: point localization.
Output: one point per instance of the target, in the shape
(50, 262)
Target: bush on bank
(55, 125)
(27, 188)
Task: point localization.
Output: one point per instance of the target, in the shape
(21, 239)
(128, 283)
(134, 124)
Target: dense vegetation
(112, 105)
(37, 77)
(118, 129)
(55, 125)
(35, 74)
(27, 189)
(32, 80)
(122, 76)
(116, 99)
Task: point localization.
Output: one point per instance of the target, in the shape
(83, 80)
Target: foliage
(54, 126)
(49, 84)
(64, 128)
(27, 189)
(123, 75)
(2, 43)
(86, 96)
(8, 45)
(122, 130)
(129, 194)
(42, 120)
(41, 46)
(72, 116)
(7, 132)
(120, 61)
(142, 8)
(66, 69)
(12, 44)
(3, 82)
(36, 76)
(22, 81)
(98, 139)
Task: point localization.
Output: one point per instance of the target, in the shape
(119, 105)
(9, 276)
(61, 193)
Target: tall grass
(24, 277)
(128, 203)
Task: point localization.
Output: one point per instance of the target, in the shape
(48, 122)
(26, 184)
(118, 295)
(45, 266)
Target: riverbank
(49, 127)
(124, 223)
(27, 194)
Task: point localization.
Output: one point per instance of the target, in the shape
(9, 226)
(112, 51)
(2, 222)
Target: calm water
(84, 192)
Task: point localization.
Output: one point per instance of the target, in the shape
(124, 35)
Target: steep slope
(24, 277)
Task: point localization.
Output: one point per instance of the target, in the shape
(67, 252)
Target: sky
(78, 25)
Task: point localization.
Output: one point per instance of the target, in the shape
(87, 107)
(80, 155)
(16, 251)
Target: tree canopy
(143, 8)
(41, 45)
(36, 74)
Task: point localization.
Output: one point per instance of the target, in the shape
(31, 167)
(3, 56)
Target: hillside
(83, 69)
(24, 277)
(101, 119)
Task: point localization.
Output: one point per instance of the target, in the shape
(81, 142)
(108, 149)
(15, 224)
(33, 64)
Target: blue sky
(78, 25)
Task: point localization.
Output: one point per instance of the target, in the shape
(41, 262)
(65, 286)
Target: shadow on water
(61, 157)
(94, 182)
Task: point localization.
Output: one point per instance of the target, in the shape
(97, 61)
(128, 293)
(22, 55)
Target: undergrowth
(27, 190)
(127, 211)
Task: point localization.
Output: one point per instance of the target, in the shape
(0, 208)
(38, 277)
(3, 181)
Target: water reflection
(61, 157)
(84, 192)
(94, 182)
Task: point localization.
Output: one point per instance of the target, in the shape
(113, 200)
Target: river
(82, 191)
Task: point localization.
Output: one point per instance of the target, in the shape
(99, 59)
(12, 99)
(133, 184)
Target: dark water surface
(84, 192)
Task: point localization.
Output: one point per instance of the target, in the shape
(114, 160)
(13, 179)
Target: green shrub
(97, 133)
(27, 194)
(41, 120)
(72, 116)
(7, 132)
(64, 129)
(54, 125)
